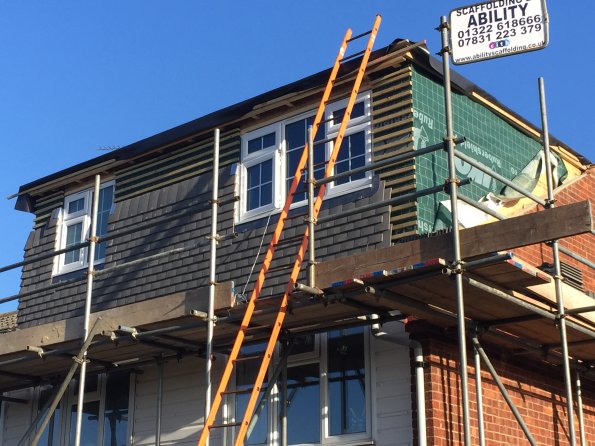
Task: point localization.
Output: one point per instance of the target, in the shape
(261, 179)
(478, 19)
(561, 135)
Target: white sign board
(497, 28)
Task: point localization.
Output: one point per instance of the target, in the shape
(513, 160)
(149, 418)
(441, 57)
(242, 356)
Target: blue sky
(76, 77)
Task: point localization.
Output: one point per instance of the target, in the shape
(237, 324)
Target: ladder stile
(276, 328)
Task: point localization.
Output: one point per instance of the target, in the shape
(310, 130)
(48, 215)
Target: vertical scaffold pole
(311, 222)
(159, 414)
(579, 408)
(283, 402)
(557, 272)
(90, 273)
(212, 274)
(457, 261)
(479, 397)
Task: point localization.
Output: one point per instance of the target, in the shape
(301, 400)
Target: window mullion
(102, 394)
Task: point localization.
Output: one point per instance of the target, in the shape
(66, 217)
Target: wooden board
(563, 221)
(140, 313)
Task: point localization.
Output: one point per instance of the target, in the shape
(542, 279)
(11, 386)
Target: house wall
(578, 189)
(392, 411)
(537, 390)
(490, 140)
(16, 417)
(183, 402)
(189, 270)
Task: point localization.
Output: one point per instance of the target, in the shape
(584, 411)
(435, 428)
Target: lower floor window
(105, 419)
(327, 397)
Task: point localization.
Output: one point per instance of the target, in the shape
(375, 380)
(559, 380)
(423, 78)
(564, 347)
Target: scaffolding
(472, 278)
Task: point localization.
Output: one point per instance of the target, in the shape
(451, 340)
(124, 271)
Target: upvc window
(260, 153)
(328, 391)
(75, 226)
(270, 156)
(106, 412)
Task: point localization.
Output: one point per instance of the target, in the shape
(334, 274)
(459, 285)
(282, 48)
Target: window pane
(347, 384)
(268, 140)
(260, 185)
(296, 135)
(253, 197)
(351, 155)
(254, 145)
(303, 344)
(115, 417)
(253, 176)
(262, 142)
(76, 205)
(106, 200)
(357, 112)
(51, 434)
(90, 423)
(303, 404)
(266, 193)
(245, 376)
(73, 236)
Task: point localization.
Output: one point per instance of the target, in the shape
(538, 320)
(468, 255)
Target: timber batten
(392, 122)
(168, 168)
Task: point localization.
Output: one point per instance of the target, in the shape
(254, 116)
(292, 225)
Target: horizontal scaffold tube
(499, 177)
(191, 210)
(526, 305)
(392, 201)
(386, 162)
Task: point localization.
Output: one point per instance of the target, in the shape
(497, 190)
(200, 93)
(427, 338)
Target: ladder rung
(257, 327)
(353, 56)
(359, 36)
(247, 358)
(239, 391)
(218, 426)
(332, 118)
(324, 141)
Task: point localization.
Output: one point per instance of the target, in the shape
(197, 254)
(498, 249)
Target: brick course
(579, 189)
(537, 390)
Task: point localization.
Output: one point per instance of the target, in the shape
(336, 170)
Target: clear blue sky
(79, 76)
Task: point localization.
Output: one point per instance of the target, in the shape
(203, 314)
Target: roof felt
(233, 112)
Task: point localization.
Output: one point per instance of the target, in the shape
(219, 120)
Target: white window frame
(64, 421)
(320, 356)
(84, 217)
(356, 125)
(279, 156)
(358, 437)
(251, 159)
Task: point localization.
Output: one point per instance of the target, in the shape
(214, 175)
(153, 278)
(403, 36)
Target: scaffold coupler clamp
(313, 220)
(559, 317)
(454, 139)
(456, 267)
(449, 182)
(80, 361)
(203, 316)
(442, 26)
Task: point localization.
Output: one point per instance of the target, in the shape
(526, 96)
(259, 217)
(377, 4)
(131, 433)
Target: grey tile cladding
(189, 269)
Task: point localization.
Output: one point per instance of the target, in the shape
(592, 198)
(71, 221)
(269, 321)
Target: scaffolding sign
(497, 28)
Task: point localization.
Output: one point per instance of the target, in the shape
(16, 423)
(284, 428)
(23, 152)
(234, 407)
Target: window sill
(366, 190)
(332, 194)
(77, 273)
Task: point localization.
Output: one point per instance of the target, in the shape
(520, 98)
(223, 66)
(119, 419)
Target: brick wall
(581, 188)
(536, 389)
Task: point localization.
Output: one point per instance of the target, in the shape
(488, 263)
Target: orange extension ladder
(276, 329)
